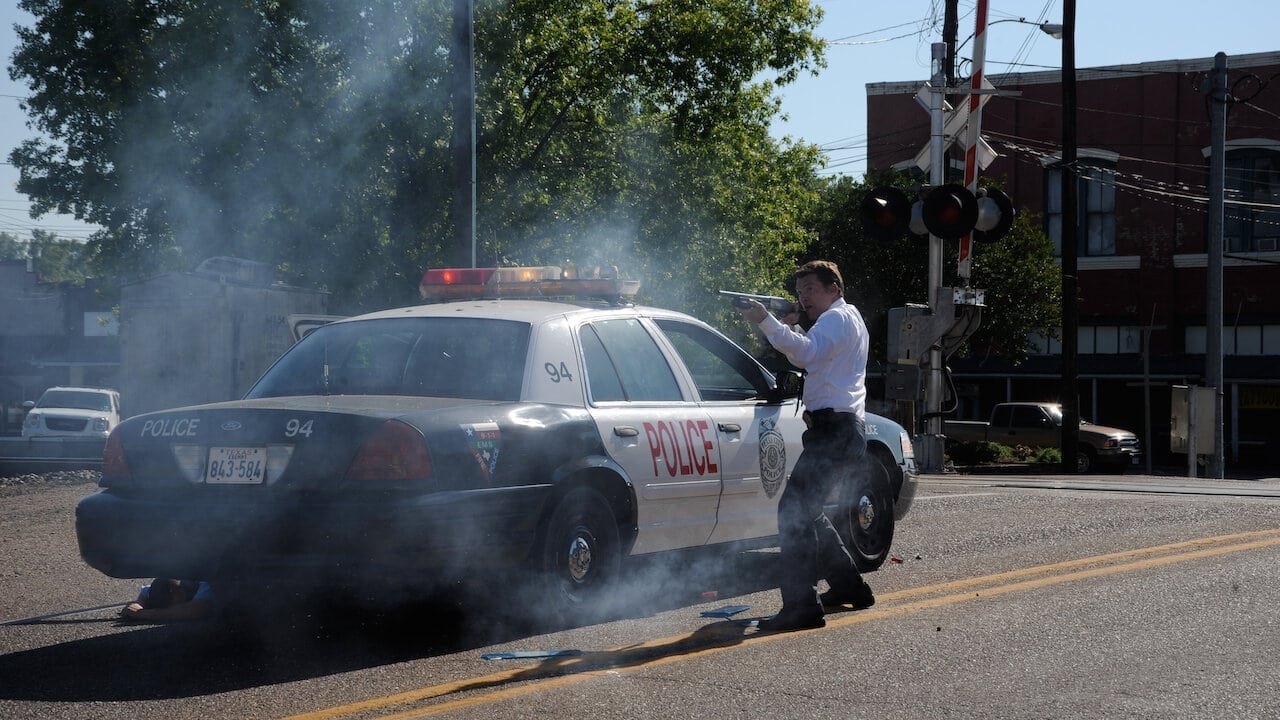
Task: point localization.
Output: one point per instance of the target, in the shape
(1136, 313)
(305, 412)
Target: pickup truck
(1039, 424)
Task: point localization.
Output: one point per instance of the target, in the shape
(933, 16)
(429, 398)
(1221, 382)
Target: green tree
(1018, 273)
(11, 248)
(58, 260)
(315, 136)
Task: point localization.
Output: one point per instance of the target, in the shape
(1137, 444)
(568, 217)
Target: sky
(890, 41)
(870, 41)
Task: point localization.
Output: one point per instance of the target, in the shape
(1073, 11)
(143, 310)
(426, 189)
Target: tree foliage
(11, 248)
(55, 260)
(315, 135)
(1018, 273)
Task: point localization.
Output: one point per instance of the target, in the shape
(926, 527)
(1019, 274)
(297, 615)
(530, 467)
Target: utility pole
(1070, 247)
(934, 445)
(1213, 301)
(463, 145)
(950, 28)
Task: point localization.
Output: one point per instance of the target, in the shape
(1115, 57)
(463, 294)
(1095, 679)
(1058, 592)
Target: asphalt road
(1010, 597)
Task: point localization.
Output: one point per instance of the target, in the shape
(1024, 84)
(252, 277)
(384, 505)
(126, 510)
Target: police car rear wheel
(581, 555)
(866, 515)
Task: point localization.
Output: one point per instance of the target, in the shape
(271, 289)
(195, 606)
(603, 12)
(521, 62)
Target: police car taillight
(525, 282)
(114, 464)
(395, 452)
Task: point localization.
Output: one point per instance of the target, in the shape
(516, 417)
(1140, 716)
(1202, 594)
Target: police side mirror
(28, 404)
(790, 384)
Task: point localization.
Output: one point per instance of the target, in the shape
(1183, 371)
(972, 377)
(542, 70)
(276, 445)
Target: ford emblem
(231, 425)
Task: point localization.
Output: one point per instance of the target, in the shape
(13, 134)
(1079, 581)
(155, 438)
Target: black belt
(825, 416)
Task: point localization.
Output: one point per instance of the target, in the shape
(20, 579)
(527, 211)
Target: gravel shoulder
(38, 544)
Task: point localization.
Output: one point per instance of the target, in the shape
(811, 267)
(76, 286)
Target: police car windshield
(470, 358)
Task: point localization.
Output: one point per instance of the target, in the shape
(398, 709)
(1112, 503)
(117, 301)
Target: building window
(1236, 340)
(1092, 340)
(1251, 220)
(1096, 206)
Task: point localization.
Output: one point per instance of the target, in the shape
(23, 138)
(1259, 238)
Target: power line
(1156, 191)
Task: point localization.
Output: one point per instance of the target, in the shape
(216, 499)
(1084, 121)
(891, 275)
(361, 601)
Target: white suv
(72, 412)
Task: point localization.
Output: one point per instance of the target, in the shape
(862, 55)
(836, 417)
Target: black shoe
(860, 597)
(789, 620)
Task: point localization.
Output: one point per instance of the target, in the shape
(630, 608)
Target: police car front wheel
(865, 515)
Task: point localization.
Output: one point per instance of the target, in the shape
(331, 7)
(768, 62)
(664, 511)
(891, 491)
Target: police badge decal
(773, 457)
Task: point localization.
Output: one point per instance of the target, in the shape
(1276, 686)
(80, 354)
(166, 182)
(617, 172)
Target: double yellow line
(716, 637)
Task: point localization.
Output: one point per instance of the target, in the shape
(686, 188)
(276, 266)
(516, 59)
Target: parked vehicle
(1039, 424)
(476, 438)
(79, 412)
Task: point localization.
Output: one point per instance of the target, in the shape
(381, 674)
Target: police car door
(754, 461)
(666, 443)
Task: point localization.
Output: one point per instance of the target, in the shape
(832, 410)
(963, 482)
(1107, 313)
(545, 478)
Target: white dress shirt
(833, 354)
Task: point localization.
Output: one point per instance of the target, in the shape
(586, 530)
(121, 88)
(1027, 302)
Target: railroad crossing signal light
(950, 211)
(995, 215)
(885, 213)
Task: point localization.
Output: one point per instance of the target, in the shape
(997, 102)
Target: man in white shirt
(833, 353)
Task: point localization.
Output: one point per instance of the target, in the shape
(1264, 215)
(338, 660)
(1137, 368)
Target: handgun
(772, 303)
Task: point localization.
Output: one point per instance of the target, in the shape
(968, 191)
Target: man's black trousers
(834, 450)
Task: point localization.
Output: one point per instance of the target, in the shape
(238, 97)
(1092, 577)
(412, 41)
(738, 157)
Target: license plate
(236, 466)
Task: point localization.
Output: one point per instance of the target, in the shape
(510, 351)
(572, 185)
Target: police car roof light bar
(442, 284)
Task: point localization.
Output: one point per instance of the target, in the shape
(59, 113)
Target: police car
(497, 427)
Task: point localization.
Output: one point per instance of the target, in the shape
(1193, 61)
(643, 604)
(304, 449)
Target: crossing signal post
(973, 215)
(953, 211)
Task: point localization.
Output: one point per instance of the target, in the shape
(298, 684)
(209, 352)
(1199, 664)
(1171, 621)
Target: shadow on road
(284, 642)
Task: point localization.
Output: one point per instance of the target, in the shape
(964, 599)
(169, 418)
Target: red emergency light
(457, 276)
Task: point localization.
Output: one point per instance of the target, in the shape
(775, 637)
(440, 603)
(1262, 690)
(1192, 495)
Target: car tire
(864, 516)
(1086, 460)
(580, 556)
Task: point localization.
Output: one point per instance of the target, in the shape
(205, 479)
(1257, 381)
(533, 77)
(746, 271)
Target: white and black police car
(494, 428)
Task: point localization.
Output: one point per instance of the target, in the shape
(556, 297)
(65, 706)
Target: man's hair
(162, 593)
(826, 271)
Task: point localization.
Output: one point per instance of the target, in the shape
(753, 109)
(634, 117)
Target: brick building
(1144, 146)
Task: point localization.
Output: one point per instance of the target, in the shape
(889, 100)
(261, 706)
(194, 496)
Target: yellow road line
(715, 638)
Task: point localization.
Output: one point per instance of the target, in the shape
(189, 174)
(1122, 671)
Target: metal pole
(1070, 224)
(932, 443)
(1146, 387)
(1213, 302)
(1193, 432)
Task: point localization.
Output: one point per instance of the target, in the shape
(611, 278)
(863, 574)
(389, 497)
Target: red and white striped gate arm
(965, 262)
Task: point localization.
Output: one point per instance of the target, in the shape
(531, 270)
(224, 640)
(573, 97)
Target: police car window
(628, 357)
(469, 358)
(602, 378)
(721, 370)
